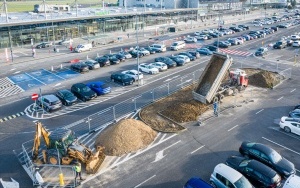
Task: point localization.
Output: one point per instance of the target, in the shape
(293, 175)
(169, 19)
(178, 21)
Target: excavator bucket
(95, 160)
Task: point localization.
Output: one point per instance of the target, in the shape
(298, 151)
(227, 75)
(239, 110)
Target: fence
(48, 174)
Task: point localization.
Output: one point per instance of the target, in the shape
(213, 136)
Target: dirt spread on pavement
(126, 136)
(181, 107)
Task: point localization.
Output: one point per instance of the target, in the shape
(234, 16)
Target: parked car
(177, 60)
(169, 62)
(43, 45)
(212, 48)
(224, 176)
(134, 74)
(290, 125)
(280, 45)
(80, 67)
(259, 174)
(135, 54)
(66, 97)
(159, 47)
(92, 64)
(268, 156)
(103, 61)
(112, 58)
(122, 78)
(83, 47)
(152, 50)
(127, 55)
(49, 102)
(244, 26)
(120, 57)
(196, 182)
(192, 58)
(99, 87)
(148, 69)
(142, 51)
(186, 59)
(83, 92)
(204, 51)
(201, 37)
(295, 113)
(296, 44)
(261, 51)
(190, 40)
(232, 41)
(292, 182)
(160, 66)
(194, 53)
(65, 42)
(274, 28)
(220, 44)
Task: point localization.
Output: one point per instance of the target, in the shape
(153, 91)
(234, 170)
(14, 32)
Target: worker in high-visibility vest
(77, 169)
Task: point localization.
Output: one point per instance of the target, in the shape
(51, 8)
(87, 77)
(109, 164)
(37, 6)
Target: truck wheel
(52, 159)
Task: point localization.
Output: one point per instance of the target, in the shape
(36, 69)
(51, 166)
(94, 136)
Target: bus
(51, 8)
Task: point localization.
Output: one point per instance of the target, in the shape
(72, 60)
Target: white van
(292, 182)
(178, 45)
(160, 47)
(83, 47)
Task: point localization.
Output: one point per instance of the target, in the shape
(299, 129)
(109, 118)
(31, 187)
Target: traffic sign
(34, 96)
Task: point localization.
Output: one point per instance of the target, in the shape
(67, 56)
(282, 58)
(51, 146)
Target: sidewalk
(22, 55)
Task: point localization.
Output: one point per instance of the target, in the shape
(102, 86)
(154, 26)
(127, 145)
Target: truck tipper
(210, 88)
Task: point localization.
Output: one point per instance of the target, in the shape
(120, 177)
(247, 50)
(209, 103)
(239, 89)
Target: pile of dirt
(262, 78)
(126, 136)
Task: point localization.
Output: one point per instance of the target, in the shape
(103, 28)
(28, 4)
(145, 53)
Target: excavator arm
(40, 131)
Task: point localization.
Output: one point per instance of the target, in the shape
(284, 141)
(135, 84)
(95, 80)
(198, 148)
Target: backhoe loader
(64, 148)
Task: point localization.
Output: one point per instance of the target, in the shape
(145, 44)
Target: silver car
(49, 102)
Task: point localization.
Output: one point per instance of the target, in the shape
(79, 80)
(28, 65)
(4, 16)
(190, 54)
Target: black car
(268, 156)
(261, 51)
(92, 64)
(244, 26)
(122, 78)
(213, 35)
(119, 56)
(281, 26)
(113, 59)
(135, 54)
(43, 45)
(80, 67)
(220, 44)
(256, 172)
(280, 45)
(236, 29)
(103, 61)
(209, 36)
(169, 62)
(83, 92)
(212, 48)
(66, 97)
(192, 58)
(178, 61)
(152, 50)
(195, 54)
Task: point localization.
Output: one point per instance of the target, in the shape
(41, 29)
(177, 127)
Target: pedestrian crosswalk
(236, 52)
(7, 88)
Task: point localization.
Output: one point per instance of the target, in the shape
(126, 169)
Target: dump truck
(62, 147)
(211, 86)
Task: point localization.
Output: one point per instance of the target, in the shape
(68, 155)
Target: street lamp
(137, 52)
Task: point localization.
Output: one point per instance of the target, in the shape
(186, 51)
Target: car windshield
(243, 183)
(85, 89)
(275, 157)
(68, 94)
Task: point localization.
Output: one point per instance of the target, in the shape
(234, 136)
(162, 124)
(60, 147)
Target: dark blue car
(99, 87)
(196, 182)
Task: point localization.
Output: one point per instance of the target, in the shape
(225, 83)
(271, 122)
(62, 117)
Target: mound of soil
(263, 78)
(126, 136)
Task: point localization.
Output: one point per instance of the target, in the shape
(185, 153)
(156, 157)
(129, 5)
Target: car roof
(64, 91)
(261, 147)
(79, 85)
(258, 166)
(228, 172)
(50, 97)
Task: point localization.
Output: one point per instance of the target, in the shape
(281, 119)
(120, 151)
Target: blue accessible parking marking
(67, 74)
(29, 84)
(20, 78)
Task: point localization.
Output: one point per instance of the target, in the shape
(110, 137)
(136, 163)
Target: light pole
(137, 52)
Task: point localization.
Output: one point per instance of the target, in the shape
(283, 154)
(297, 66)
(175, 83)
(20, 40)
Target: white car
(290, 125)
(160, 66)
(185, 58)
(201, 37)
(148, 69)
(134, 74)
(292, 182)
(190, 39)
(142, 51)
(295, 37)
(296, 44)
(126, 54)
(197, 33)
(258, 25)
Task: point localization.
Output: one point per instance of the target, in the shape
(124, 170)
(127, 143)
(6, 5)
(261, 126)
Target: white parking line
(232, 128)
(259, 111)
(145, 181)
(197, 149)
(172, 145)
(297, 170)
(293, 90)
(279, 98)
(281, 146)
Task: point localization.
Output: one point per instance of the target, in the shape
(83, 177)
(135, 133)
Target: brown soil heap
(126, 136)
(263, 78)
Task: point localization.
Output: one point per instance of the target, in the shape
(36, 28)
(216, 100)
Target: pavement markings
(197, 149)
(144, 181)
(162, 138)
(281, 146)
(259, 111)
(172, 145)
(232, 128)
(278, 129)
(293, 90)
(297, 170)
(279, 98)
(12, 116)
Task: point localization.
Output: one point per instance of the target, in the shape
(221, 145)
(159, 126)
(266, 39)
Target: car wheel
(287, 129)
(213, 184)
(150, 72)
(47, 109)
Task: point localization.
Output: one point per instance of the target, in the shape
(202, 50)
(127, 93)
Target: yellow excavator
(64, 148)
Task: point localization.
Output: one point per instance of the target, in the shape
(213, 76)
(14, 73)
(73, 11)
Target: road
(204, 146)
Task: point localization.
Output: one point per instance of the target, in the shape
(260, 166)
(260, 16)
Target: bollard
(52, 68)
(61, 179)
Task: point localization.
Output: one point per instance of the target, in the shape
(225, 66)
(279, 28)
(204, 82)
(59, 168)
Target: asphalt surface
(193, 152)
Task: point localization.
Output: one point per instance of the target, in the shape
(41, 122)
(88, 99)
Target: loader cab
(61, 139)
